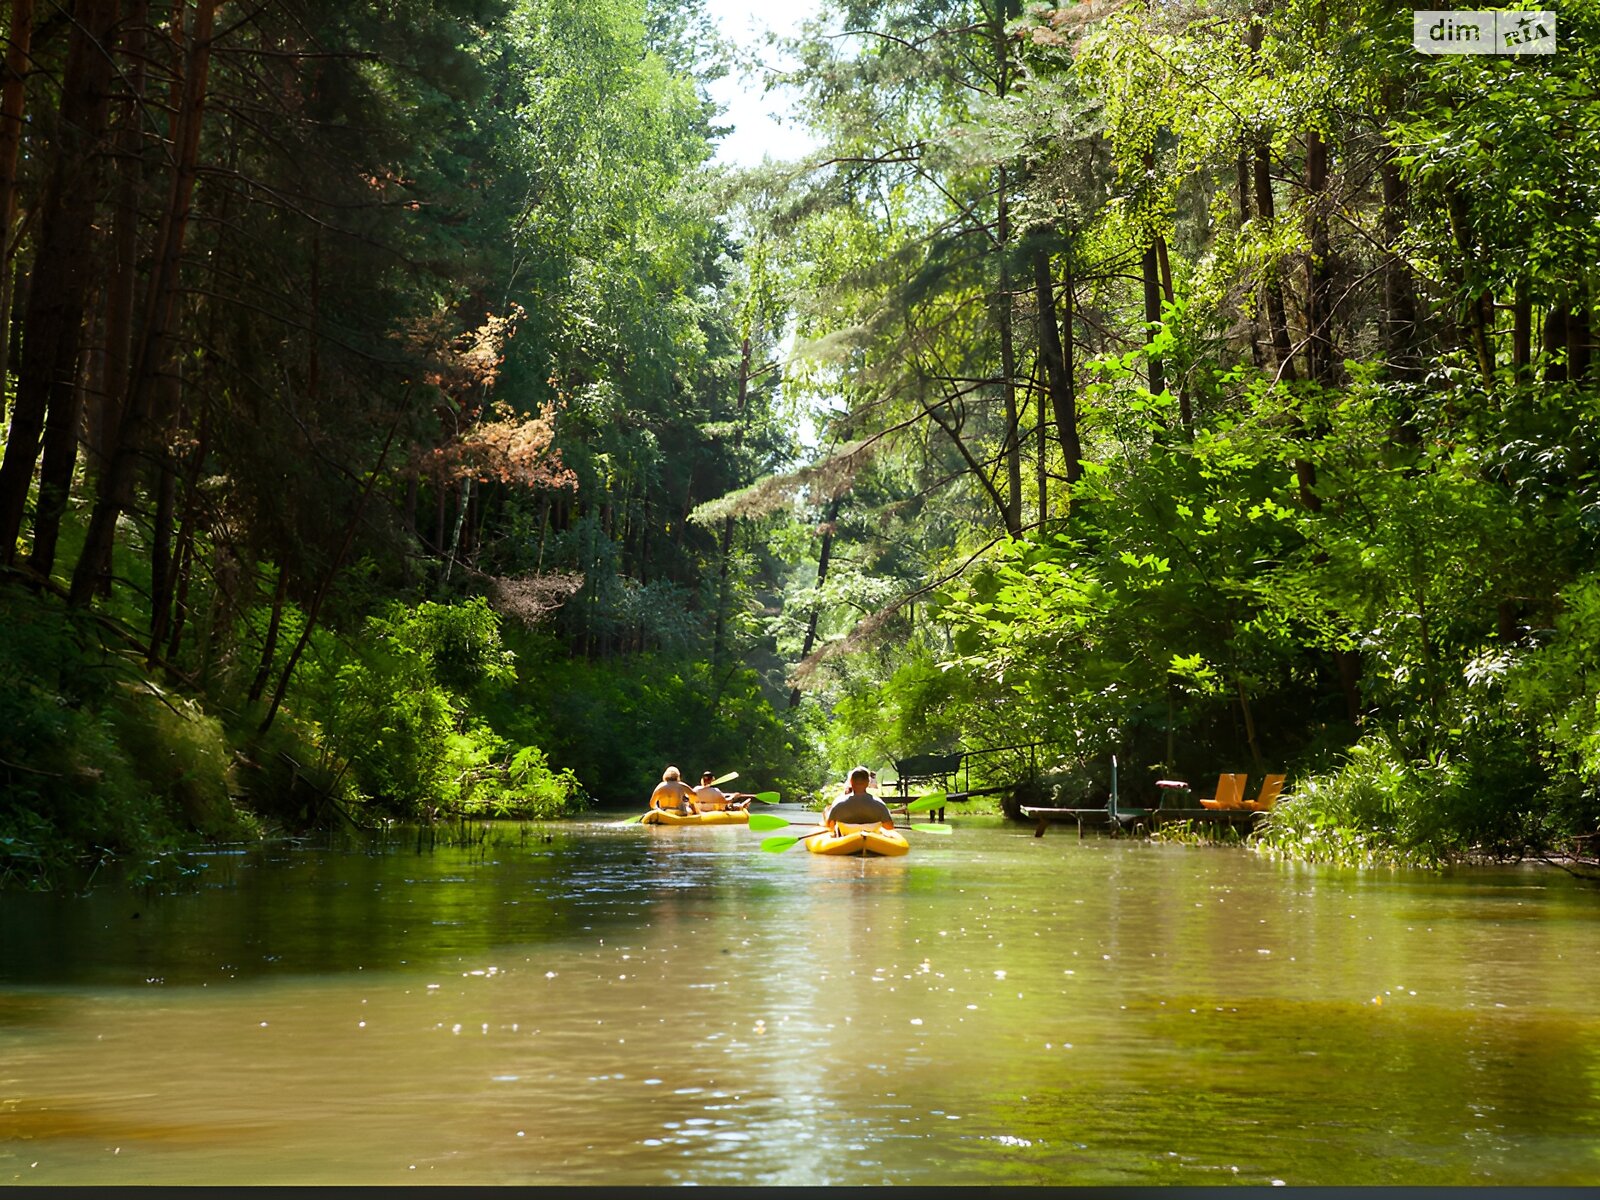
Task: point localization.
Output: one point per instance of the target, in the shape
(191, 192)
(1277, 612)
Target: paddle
(777, 845)
(766, 821)
(931, 801)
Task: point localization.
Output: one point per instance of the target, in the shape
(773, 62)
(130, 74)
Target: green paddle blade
(630, 821)
(930, 801)
(777, 845)
(766, 821)
(942, 830)
(765, 797)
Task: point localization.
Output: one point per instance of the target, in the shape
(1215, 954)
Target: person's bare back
(859, 806)
(708, 797)
(672, 793)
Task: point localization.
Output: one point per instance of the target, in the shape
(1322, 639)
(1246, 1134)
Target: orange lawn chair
(1230, 792)
(1271, 786)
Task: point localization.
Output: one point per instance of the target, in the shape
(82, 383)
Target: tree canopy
(405, 398)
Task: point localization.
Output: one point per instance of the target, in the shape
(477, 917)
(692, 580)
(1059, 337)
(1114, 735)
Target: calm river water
(661, 1006)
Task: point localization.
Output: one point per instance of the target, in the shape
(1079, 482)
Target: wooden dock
(1136, 820)
(1111, 815)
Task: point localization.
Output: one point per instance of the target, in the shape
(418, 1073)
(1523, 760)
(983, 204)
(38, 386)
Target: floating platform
(1137, 820)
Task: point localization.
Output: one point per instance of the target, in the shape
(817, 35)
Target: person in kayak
(672, 794)
(859, 806)
(710, 798)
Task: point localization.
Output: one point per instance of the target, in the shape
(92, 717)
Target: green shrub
(1375, 808)
(182, 755)
(616, 723)
(70, 792)
(400, 708)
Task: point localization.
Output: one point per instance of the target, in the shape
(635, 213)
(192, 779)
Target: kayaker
(710, 798)
(859, 806)
(672, 794)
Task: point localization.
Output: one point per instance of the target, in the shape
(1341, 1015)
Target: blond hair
(669, 775)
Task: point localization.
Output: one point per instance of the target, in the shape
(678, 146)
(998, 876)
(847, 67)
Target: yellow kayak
(859, 839)
(732, 816)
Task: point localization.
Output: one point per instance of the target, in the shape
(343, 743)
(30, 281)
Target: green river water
(665, 1006)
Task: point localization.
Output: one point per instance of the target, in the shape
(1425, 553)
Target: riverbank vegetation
(406, 416)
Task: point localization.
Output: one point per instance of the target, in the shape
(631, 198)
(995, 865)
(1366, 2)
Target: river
(583, 1003)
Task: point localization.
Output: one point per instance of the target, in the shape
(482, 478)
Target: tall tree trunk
(161, 550)
(183, 574)
(1320, 359)
(1246, 211)
(165, 487)
(47, 381)
(270, 646)
(1152, 316)
(824, 555)
(1349, 664)
(13, 107)
(1555, 343)
(463, 498)
(1475, 316)
(1399, 326)
(1580, 340)
(314, 318)
(1185, 411)
(1055, 350)
(8, 281)
(122, 289)
(116, 489)
(1249, 725)
(1008, 362)
(725, 548)
(169, 602)
(1041, 445)
(1521, 331)
(1277, 315)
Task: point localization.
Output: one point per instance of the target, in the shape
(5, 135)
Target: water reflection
(660, 1005)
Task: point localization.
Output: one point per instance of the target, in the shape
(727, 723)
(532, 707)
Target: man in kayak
(710, 798)
(859, 806)
(672, 794)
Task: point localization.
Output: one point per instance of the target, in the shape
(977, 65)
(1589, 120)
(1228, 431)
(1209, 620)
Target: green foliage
(397, 707)
(1379, 806)
(1360, 552)
(616, 724)
(88, 769)
(917, 709)
(1373, 810)
(532, 788)
(182, 755)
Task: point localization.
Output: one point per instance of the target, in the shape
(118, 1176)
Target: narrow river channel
(663, 1006)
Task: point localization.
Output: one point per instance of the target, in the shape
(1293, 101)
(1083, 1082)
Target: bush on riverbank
(96, 760)
(1381, 806)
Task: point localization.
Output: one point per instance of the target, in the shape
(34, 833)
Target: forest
(407, 418)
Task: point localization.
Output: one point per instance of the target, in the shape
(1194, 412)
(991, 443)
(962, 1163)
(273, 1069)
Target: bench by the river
(943, 772)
